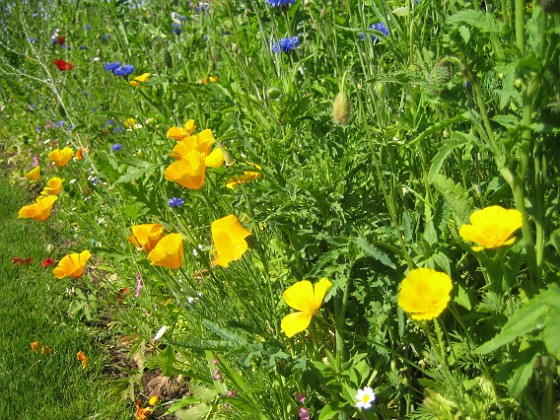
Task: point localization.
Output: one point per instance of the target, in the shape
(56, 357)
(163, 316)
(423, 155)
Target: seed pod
(341, 109)
(273, 93)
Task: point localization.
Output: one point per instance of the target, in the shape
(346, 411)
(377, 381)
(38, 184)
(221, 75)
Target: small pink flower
(300, 397)
(303, 413)
(217, 375)
(231, 394)
(138, 284)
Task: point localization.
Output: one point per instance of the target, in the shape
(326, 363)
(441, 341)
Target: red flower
(47, 262)
(16, 260)
(29, 260)
(60, 40)
(63, 65)
(122, 293)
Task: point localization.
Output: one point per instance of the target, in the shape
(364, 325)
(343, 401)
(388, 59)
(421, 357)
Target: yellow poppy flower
(40, 209)
(168, 252)
(146, 236)
(189, 171)
(229, 236)
(72, 265)
(492, 227)
(307, 299)
(61, 157)
(46, 350)
(53, 187)
(215, 159)
(139, 79)
(236, 180)
(190, 126)
(33, 174)
(425, 293)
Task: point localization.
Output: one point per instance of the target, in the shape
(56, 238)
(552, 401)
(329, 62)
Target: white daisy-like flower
(365, 398)
(160, 333)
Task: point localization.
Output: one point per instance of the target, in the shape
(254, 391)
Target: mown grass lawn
(50, 382)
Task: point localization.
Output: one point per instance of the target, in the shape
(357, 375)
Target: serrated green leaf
(458, 140)
(455, 196)
(482, 21)
(524, 321)
(374, 252)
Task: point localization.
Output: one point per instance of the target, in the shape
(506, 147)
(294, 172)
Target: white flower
(365, 397)
(160, 333)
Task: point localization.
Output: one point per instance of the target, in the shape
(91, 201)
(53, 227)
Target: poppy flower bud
(228, 158)
(273, 93)
(341, 109)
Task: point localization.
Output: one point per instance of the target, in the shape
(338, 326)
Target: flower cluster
(119, 70)
(285, 45)
(378, 27)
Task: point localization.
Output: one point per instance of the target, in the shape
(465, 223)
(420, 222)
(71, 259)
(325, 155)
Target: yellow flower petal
(140, 79)
(190, 126)
(300, 296)
(146, 236)
(295, 322)
(33, 174)
(40, 209)
(236, 180)
(229, 236)
(168, 252)
(177, 133)
(215, 159)
(53, 187)
(425, 293)
(188, 172)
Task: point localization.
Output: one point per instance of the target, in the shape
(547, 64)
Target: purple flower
(117, 129)
(138, 284)
(112, 66)
(379, 27)
(125, 70)
(277, 3)
(175, 202)
(303, 413)
(116, 147)
(176, 28)
(300, 397)
(217, 375)
(285, 45)
(60, 124)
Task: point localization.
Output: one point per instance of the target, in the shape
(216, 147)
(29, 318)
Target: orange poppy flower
(61, 157)
(82, 358)
(180, 133)
(53, 187)
(168, 252)
(72, 265)
(34, 346)
(202, 142)
(146, 236)
(229, 236)
(39, 210)
(189, 171)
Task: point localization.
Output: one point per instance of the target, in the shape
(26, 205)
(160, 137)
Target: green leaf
(455, 196)
(328, 412)
(524, 321)
(483, 21)
(374, 252)
(180, 404)
(459, 139)
(521, 375)
(135, 172)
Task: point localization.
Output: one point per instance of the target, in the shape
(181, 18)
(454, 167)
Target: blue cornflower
(116, 147)
(32, 40)
(60, 124)
(285, 45)
(379, 27)
(112, 66)
(87, 27)
(109, 122)
(277, 3)
(82, 47)
(175, 202)
(125, 70)
(117, 129)
(176, 28)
